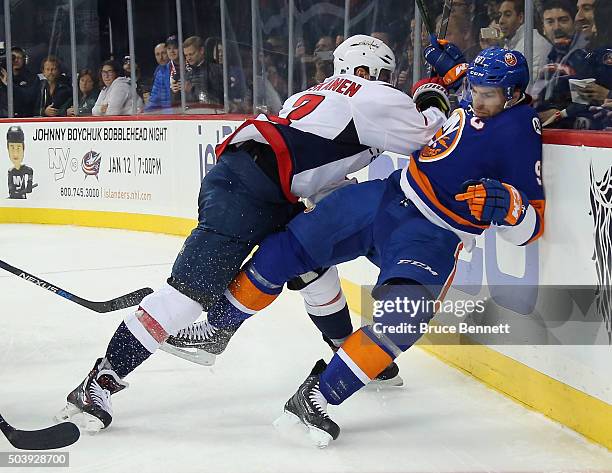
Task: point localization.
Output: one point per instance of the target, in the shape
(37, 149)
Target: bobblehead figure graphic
(20, 176)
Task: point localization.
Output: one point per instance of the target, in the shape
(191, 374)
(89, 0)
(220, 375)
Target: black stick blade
(56, 436)
(121, 302)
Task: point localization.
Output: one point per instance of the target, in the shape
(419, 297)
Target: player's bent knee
(324, 295)
(401, 307)
(162, 313)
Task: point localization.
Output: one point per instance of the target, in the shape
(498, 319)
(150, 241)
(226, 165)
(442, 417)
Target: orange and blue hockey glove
(447, 61)
(491, 201)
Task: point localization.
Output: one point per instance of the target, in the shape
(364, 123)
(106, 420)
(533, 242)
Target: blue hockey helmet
(498, 67)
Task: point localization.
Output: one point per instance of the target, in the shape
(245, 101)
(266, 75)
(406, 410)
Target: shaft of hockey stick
(56, 436)
(118, 303)
(446, 12)
(426, 16)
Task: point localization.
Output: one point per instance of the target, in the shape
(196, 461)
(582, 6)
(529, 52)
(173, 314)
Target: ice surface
(180, 417)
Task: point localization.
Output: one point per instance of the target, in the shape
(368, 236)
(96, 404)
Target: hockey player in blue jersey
(481, 169)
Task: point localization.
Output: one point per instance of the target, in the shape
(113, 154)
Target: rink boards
(144, 174)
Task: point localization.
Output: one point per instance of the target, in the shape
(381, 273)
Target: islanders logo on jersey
(446, 138)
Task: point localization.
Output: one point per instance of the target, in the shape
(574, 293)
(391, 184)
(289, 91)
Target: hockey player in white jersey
(263, 169)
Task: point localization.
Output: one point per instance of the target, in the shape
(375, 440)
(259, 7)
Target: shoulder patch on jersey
(537, 126)
(446, 138)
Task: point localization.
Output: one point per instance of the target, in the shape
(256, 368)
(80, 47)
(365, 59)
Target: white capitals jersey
(336, 128)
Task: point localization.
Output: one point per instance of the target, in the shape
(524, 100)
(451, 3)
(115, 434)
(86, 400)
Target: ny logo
(58, 161)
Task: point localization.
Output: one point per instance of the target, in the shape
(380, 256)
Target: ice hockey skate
(200, 342)
(89, 404)
(308, 407)
(389, 377)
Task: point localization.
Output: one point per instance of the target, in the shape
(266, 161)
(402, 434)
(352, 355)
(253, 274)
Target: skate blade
(290, 426)
(84, 421)
(195, 355)
(377, 384)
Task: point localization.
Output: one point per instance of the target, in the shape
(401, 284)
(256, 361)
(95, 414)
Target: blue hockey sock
(338, 382)
(334, 327)
(125, 352)
(225, 315)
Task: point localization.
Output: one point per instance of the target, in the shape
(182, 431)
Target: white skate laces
(101, 397)
(318, 400)
(198, 332)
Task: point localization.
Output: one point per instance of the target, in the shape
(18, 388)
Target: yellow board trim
(583, 413)
(577, 410)
(91, 218)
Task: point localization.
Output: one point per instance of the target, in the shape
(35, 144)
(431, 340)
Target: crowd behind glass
(250, 56)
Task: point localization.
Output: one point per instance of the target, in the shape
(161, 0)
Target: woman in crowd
(115, 97)
(88, 95)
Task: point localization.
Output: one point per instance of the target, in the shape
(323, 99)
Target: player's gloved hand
(431, 92)
(491, 201)
(447, 61)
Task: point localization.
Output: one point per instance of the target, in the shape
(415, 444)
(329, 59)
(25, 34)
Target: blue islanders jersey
(506, 147)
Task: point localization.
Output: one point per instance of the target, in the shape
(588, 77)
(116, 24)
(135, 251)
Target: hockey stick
(56, 436)
(430, 26)
(426, 16)
(118, 303)
(446, 12)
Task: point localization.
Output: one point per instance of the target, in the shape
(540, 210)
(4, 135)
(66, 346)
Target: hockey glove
(491, 201)
(431, 93)
(447, 61)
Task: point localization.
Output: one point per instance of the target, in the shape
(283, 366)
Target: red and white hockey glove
(494, 202)
(431, 92)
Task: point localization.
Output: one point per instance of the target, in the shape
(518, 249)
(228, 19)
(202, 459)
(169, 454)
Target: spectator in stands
(127, 72)
(460, 32)
(275, 63)
(512, 25)
(54, 89)
(88, 95)
(236, 80)
(323, 58)
(116, 96)
(585, 18)
(599, 67)
(203, 79)
(559, 28)
(161, 95)
(492, 10)
(565, 60)
(25, 85)
(406, 59)
(161, 54)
